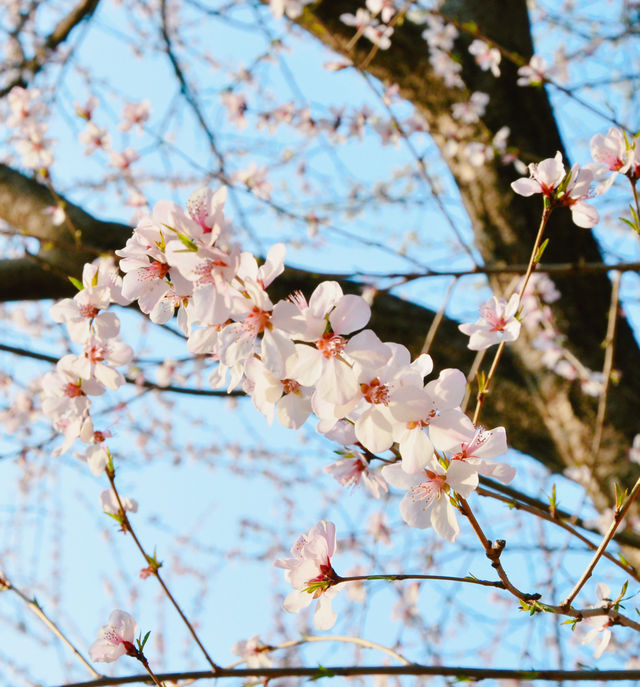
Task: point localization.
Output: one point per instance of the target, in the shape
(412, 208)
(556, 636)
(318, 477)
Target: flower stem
(483, 392)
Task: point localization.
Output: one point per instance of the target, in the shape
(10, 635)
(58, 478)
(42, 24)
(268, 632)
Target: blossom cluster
(366, 21)
(67, 392)
(27, 114)
(294, 358)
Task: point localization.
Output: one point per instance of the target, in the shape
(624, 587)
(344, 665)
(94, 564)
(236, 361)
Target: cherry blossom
(600, 624)
(533, 74)
(94, 137)
(427, 501)
(545, 177)
(110, 504)
(82, 317)
(472, 110)
(480, 447)
(487, 58)
(135, 114)
(354, 467)
(323, 364)
(292, 8)
(497, 323)
(434, 406)
(439, 35)
(385, 8)
(311, 574)
(254, 652)
(115, 639)
(614, 153)
(571, 189)
(285, 398)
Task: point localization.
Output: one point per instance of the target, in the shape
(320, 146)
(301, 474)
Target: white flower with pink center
(109, 503)
(311, 574)
(571, 189)
(254, 652)
(115, 639)
(545, 177)
(82, 314)
(135, 114)
(353, 469)
(96, 361)
(435, 407)
(103, 271)
(487, 58)
(148, 275)
(324, 320)
(285, 398)
(64, 393)
(480, 447)
(427, 502)
(497, 323)
(94, 137)
(600, 624)
(532, 74)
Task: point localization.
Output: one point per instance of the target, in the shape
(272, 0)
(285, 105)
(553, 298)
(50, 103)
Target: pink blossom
(439, 36)
(480, 447)
(292, 8)
(600, 624)
(354, 467)
(385, 8)
(435, 407)
(545, 177)
(571, 189)
(115, 639)
(533, 74)
(427, 501)
(135, 114)
(471, 111)
(487, 58)
(110, 504)
(254, 652)
(497, 323)
(56, 213)
(94, 137)
(311, 574)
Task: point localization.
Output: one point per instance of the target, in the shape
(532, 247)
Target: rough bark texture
(547, 417)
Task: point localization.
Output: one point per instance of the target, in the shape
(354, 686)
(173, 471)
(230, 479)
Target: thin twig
(617, 519)
(409, 576)
(153, 568)
(437, 320)
(609, 343)
(484, 390)
(412, 669)
(35, 607)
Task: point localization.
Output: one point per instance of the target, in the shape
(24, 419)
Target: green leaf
(541, 250)
(76, 282)
(322, 672)
(144, 641)
(188, 243)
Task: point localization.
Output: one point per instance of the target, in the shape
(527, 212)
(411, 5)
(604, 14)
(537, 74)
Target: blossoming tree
(359, 356)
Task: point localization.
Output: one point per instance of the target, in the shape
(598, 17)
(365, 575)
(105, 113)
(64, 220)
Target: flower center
(257, 321)
(156, 270)
(331, 345)
(89, 311)
(290, 386)
(72, 390)
(375, 392)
